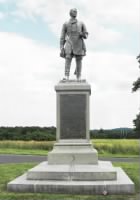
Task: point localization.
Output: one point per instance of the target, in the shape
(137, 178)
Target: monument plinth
(73, 140)
(73, 110)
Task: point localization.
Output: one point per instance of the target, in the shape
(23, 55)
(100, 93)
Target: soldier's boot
(67, 67)
(78, 67)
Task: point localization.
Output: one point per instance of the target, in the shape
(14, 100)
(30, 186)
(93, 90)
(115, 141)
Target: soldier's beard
(73, 17)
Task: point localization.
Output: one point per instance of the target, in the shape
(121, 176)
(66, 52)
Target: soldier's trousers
(78, 69)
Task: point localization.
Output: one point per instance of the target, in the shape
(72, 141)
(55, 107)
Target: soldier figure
(72, 43)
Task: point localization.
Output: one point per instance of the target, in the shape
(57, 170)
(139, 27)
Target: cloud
(26, 65)
(2, 15)
(125, 11)
(115, 12)
(101, 36)
(113, 109)
(111, 71)
(3, 1)
(99, 16)
(29, 71)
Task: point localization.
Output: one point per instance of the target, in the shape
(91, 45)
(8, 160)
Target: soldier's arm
(62, 37)
(84, 31)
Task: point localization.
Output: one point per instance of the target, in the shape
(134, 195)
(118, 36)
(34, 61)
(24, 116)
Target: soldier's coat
(70, 38)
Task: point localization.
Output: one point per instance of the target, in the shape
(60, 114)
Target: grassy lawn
(23, 151)
(105, 147)
(45, 152)
(9, 171)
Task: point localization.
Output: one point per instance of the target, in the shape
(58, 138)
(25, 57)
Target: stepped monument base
(73, 166)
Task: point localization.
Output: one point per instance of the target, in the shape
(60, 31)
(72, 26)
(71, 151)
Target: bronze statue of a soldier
(72, 43)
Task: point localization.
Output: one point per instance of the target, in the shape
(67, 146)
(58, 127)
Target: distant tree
(101, 130)
(137, 125)
(136, 86)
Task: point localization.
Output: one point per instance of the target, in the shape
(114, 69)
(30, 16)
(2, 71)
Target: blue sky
(30, 65)
(36, 30)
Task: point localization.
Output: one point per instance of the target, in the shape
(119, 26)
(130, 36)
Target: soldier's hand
(62, 52)
(83, 35)
(80, 34)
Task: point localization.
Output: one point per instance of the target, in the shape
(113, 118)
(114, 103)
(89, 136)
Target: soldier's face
(74, 13)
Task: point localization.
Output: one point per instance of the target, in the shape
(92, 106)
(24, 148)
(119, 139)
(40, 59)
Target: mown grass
(39, 152)
(9, 171)
(133, 171)
(105, 147)
(23, 151)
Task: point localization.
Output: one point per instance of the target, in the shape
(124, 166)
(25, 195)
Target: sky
(30, 65)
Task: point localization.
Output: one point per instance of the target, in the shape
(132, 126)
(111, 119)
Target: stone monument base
(73, 166)
(45, 171)
(74, 179)
(78, 151)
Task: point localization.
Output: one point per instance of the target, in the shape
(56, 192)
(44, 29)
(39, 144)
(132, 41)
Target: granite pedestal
(73, 140)
(73, 166)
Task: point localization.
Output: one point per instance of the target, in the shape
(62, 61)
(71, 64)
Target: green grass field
(105, 147)
(117, 146)
(17, 151)
(9, 171)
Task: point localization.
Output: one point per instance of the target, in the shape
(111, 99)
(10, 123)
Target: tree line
(49, 133)
(117, 133)
(28, 133)
(136, 88)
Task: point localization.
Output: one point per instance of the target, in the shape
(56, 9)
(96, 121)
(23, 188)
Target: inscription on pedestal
(72, 116)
